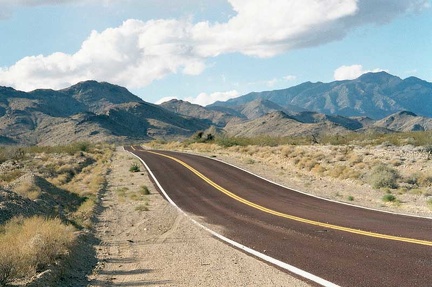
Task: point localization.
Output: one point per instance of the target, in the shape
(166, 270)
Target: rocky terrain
(92, 111)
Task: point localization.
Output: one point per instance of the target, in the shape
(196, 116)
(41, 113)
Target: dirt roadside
(145, 241)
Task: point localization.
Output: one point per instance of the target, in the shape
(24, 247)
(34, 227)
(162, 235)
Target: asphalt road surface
(345, 245)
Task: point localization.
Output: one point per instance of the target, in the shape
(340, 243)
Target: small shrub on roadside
(144, 190)
(429, 203)
(389, 198)
(383, 176)
(134, 167)
(141, 207)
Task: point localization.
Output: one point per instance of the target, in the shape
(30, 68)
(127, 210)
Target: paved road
(345, 245)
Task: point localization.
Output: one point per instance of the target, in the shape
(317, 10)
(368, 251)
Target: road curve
(343, 244)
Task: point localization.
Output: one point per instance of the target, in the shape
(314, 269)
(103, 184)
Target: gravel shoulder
(146, 241)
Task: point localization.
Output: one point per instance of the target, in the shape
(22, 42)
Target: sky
(209, 50)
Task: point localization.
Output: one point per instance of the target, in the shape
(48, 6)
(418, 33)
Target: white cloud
(352, 72)
(204, 99)
(133, 55)
(290, 78)
(138, 53)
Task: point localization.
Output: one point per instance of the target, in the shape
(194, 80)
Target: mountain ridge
(90, 111)
(100, 111)
(375, 95)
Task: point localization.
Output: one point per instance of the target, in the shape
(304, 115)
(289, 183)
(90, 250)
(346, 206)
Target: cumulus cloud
(352, 72)
(204, 99)
(290, 78)
(137, 52)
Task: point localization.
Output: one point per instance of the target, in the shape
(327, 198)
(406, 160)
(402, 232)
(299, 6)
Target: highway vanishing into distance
(342, 244)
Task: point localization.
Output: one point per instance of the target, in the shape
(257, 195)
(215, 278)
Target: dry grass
(78, 172)
(30, 245)
(28, 189)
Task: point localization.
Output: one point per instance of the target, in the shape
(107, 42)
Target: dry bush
(319, 169)
(8, 261)
(10, 176)
(343, 172)
(83, 216)
(383, 176)
(425, 180)
(354, 159)
(28, 189)
(395, 162)
(286, 151)
(30, 245)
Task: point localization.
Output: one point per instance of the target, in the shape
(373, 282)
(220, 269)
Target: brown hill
(90, 111)
(405, 121)
(279, 124)
(218, 118)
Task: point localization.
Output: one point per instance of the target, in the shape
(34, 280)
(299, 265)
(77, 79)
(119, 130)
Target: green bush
(383, 176)
(389, 198)
(134, 167)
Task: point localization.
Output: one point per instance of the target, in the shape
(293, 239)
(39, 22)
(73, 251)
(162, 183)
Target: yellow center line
(132, 147)
(292, 217)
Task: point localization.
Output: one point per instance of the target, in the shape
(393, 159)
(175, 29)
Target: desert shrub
(144, 190)
(69, 149)
(134, 167)
(28, 189)
(8, 262)
(429, 203)
(30, 245)
(10, 175)
(82, 217)
(425, 180)
(389, 198)
(383, 176)
(141, 207)
(428, 150)
(343, 172)
(351, 198)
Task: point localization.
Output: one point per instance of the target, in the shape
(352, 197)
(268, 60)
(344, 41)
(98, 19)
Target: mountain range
(89, 111)
(96, 111)
(374, 95)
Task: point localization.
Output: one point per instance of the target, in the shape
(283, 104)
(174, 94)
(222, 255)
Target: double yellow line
(292, 217)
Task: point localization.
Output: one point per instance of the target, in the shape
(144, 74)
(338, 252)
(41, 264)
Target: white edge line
(260, 255)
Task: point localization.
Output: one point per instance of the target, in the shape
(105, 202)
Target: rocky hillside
(279, 124)
(213, 117)
(405, 121)
(374, 95)
(90, 111)
(262, 117)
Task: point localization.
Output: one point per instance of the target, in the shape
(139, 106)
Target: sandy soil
(145, 241)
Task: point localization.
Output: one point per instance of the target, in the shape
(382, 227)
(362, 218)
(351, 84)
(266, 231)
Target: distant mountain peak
(406, 113)
(378, 77)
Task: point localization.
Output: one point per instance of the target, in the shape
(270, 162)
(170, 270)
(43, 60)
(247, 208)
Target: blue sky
(202, 51)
